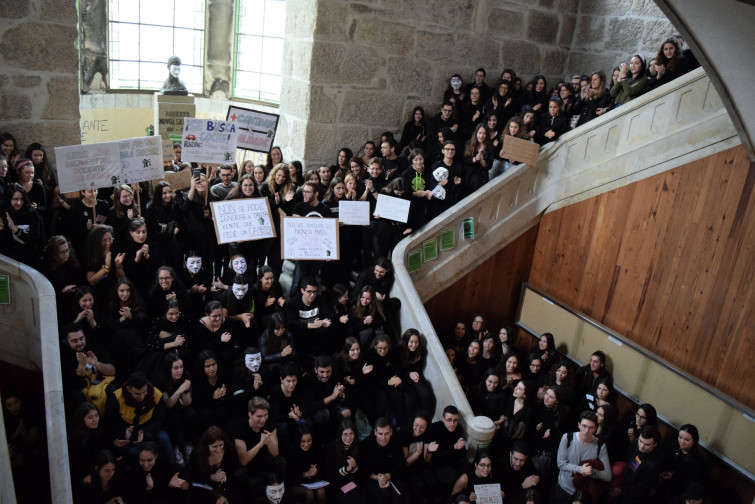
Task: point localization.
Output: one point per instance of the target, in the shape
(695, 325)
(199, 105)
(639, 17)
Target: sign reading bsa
(309, 238)
(209, 141)
(256, 129)
(241, 220)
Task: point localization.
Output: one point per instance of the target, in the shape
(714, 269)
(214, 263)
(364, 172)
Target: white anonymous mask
(240, 290)
(439, 193)
(239, 265)
(275, 492)
(253, 363)
(455, 82)
(194, 264)
(440, 174)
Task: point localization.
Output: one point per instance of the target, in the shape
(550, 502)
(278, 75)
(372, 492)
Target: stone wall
(39, 90)
(610, 31)
(357, 68)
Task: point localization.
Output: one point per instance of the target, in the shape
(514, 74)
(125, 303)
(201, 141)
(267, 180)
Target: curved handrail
(667, 127)
(37, 346)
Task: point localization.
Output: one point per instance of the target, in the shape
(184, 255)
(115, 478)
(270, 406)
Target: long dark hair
(135, 301)
(407, 356)
(210, 436)
(42, 171)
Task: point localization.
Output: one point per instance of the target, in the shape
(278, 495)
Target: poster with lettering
(242, 220)
(355, 213)
(309, 238)
(85, 166)
(390, 207)
(256, 129)
(141, 159)
(209, 141)
(488, 494)
(168, 153)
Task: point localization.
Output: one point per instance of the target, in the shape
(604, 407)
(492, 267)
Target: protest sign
(177, 180)
(241, 220)
(488, 494)
(208, 141)
(256, 129)
(355, 213)
(309, 238)
(83, 167)
(168, 153)
(141, 159)
(396, 209)
(520, 150)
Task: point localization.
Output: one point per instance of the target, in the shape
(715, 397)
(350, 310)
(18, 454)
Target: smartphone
(196, 174)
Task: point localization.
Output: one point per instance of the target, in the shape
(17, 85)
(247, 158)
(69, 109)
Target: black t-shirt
(242, 431)
(306, 210)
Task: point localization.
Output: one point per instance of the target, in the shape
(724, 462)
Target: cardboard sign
(168, 153)
(141, 159)
(356, 213)
(83, 167)
(242, 220)
(520, 150)
(256, 129)
(309, 238)
(389, 207)
(177, 180)
(488, 494)
(208, 141)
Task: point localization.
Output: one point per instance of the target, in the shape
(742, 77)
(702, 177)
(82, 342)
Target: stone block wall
(610, 31)
(356, 68)
(39, 91)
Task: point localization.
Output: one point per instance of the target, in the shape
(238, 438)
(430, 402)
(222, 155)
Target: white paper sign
(309, 238)
(355, 213)
(86, 166)
(241, 220)
(256, 129)
(389, 207)
(209, 141)
(488, 494)
(141, 159)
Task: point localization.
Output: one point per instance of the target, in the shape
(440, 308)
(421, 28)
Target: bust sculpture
(173, 85)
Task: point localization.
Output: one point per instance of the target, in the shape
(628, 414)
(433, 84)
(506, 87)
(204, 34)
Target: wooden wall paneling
(668, 262)
(491, 289)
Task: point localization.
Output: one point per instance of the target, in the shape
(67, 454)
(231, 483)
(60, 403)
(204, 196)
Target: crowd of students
(189, 374)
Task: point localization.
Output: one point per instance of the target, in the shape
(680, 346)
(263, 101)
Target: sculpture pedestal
(170, 111)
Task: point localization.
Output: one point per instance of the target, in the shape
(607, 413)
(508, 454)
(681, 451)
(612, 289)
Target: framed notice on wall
(242, 220)
(309, 238)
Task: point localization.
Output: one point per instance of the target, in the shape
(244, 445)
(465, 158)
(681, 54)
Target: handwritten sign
(141, 159)
(309, 238)
(208, 141)
(488, 494)
(256, 129)
(177, 180)
(241, 220)
(355, 213)
(168, 153)
(389, 207)
(83, 167)
(520, 150)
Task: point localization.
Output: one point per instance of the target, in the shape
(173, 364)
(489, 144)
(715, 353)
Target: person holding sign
(164, 223)
(480, 473)
(279, 191)
(309, 207)
(79, 217)
(200, 233)
(390, 232)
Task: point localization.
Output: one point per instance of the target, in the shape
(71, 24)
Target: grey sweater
(568, 460)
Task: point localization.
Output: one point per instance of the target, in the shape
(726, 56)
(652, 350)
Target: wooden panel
(668, 262)
(676, 397)
(492, 289)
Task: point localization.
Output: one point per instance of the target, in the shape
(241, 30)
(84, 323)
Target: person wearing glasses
(451, 184)
(309, 319)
